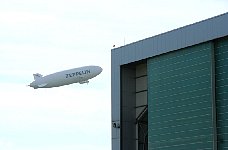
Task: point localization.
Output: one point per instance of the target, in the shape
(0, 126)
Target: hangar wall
(221, 78)
(211, 31)
(133, 106)
(186, 36)
(128, 111)
(181, 100)
(188, 98)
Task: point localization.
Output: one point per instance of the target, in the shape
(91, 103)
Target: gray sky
(47, 36)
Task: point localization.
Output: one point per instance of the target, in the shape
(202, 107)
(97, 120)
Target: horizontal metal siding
(221, 57)
(180, 100)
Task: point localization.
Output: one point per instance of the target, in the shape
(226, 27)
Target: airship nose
(97, 70)
(100, 69)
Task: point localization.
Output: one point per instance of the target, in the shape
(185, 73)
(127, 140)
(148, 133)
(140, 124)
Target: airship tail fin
(37, 75)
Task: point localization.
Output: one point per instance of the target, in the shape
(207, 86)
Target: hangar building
(170, 91)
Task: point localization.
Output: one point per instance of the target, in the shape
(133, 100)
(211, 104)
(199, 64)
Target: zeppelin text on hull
(69, 75)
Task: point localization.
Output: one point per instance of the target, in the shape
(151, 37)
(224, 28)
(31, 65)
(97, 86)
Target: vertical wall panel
(180, 99)
(128, 100)
(221, 69)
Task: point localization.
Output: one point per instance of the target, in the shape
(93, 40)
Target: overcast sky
(46, 36)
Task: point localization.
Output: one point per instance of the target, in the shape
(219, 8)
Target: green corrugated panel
(179, 99)
(221, 65)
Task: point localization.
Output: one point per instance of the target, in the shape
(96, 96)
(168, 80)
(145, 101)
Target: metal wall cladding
(221, 73)
(183, 37)
(180, 85)
(180, 99)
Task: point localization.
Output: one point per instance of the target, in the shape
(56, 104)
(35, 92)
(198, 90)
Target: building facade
(170, 91)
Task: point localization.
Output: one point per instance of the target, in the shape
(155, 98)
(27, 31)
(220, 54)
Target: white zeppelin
(77, 75)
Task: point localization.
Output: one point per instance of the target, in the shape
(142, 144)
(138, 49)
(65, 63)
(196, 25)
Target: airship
(76, 75)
